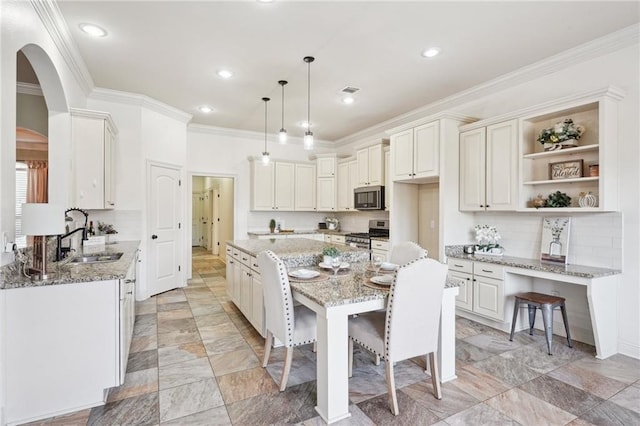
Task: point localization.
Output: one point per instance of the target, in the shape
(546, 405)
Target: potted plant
(487, 240)
(272, 225)
(563, 135)
(329, 253)
(558, 199)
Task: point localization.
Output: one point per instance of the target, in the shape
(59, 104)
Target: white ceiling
(170, 51)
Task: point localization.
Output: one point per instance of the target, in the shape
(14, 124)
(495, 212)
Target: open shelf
(561, 181)
(568, 151)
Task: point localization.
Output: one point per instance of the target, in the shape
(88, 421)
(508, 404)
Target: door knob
(154, 237)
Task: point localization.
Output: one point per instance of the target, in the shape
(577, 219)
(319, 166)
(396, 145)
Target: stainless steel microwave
(369, 198)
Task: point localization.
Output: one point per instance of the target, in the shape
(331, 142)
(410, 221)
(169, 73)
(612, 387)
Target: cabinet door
(488, 297)
(464, 299)
(387, 180)
(376, 165)
(472, 170)
(88, 134)
(109, 167)
(426, 150)
(237, 280)
(344, 189)
(305, 187)
(246, 304)
(229, 276)
(327, 167)
(262, 186)
(257, 300)
(353, 184)
(384, 254)
(362, 157)
(284, 190)
(502, 166)
(326, 194)
(402, 155)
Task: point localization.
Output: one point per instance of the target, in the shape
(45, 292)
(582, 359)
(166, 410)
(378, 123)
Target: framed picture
(555, 239)
(565, 170)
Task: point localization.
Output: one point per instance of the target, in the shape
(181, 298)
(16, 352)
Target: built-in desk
(519, 275)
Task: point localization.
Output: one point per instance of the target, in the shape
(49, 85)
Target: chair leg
(377, 359)
(288, 359)
(515, 318)
(267, 348)
(566, 325)
(315, 347)
(547, 320)
(350, 358)
(532, 318)
(391, 388)
(435, 377)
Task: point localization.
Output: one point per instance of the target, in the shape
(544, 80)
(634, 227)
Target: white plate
(382, 279)
(304, 274)
(344, 265)
(386, 266)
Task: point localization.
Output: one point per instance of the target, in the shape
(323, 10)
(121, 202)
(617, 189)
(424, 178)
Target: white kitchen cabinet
(415, 153)
(327, 166)
(272, 186)
(305, 187)
(380, 248)
(284, 184)
(347, 182)
(247, 288)
(326, 192)
(127, 314)
(370, 166)
(387, 179)
(246, 292)
(483, 291)
(93, 136)
(489, 168)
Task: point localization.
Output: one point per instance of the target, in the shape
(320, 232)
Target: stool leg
(515, 317)
(547, 319)
(566, 324)
(532, 318)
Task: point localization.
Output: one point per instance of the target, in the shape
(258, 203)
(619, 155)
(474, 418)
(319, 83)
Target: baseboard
(629, 349)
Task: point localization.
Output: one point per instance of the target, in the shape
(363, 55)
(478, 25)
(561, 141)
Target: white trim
(101, 115)
(628, 349)
(29, 89)
(127, 98)
(439, 116)
(57, 28)
(248, 134)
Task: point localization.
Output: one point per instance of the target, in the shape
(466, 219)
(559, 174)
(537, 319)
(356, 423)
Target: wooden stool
(545, 303)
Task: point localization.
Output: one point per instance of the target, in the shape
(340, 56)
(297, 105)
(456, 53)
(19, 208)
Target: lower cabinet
(483, 292)
(127, 315)
(380, 248)
(244, 286)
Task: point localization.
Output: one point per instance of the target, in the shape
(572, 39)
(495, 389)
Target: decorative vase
(569, 143)
(587, 199)
(551, 146)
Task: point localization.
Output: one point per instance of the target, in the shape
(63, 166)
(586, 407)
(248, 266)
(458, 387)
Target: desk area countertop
(581, 271)
(75, 273)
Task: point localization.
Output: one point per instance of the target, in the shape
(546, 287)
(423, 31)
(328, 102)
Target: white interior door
(214, 196)
(195, 220)
(165, 238)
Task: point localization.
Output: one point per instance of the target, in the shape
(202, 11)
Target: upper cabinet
(93, 136)
(347, 182)
(272, 186)
(489, 167)
(370, 166)
(305, 187)
(416, 153)
(387, 178)
(327, 166)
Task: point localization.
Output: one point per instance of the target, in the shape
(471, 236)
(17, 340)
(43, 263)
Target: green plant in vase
(329, 253)
(272, 225)
(558, 199)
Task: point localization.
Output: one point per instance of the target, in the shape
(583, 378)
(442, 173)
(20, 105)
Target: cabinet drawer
(458, 265)
(236, 253)
(254, 264)
(245, 259)
(338, 239)
(487, 270)
(229, 251)
(380, 245)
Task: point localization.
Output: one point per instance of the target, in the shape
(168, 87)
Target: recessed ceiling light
(225, 73)
(348, 100)
(93, 30)
(264, 1)
(206, 109)
(431, 52)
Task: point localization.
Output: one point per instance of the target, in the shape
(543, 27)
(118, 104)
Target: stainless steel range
(377, 228)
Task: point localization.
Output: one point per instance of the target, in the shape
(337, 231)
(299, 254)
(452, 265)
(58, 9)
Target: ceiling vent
(350, 90)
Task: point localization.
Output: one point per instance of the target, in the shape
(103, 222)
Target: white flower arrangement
(487, 238)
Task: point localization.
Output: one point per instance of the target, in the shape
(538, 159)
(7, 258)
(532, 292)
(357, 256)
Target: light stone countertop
(582, 271)
(75, 273)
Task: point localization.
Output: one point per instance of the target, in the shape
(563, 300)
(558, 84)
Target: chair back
(278, 302)
(413, 310)
(405, 252)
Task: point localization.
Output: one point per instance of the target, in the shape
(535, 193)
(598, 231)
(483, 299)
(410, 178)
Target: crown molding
(100, 115)
(127, 98)
(609, 43)
(57, 28)
(29, 89)
(247, 134)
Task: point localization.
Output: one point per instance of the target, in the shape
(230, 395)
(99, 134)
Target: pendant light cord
(308, 60)
(265, 122)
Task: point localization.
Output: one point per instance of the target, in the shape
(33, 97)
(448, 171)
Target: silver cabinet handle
(458, 266)
(484, 270)
(128, 281)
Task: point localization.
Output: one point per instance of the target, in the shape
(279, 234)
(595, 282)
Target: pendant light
(265, 154)
(282, 135)
(308, 135)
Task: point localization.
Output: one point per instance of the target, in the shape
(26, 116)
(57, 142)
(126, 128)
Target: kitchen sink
(97, 258)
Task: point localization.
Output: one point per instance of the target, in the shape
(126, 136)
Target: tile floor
(195, 360)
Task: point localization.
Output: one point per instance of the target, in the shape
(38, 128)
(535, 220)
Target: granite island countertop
(67, 273)
(582, 271)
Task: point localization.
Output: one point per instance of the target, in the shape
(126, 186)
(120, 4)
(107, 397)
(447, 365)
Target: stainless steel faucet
(62, 252)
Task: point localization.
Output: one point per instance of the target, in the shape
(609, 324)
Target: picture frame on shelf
(555, 239)
(566, 169)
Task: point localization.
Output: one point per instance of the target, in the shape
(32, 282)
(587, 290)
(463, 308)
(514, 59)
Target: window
(21, 197)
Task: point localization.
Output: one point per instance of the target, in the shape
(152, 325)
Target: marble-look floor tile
(145, 325)
(537, 358)
(175, 338)
(188, 399)
(173, 306)
(466, 328)
(148, 306)
(610, 413)
(245, 384)
(579, 375)
(144, 343)
(508, 371)
(185, 352)
(628, 398)
(220, 331)
(493, 344)
(526, 409)
(358, 418)
(173, 315)
(264, 409)
(480, 414)
(142, 360)
(477, 383)
(136, 383)
(185, 372)
(411, 412)
(234, 342)
(302, 399)
(230, 362)
(468, 353)
(365, 384)
(172, 296)
(562, 395)
(182, 325)
(212, 417)
(405, 373)
(453, 398)
(618, 367)
(78, 418)
(138, 410)
(212, 319)
(302, 370)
